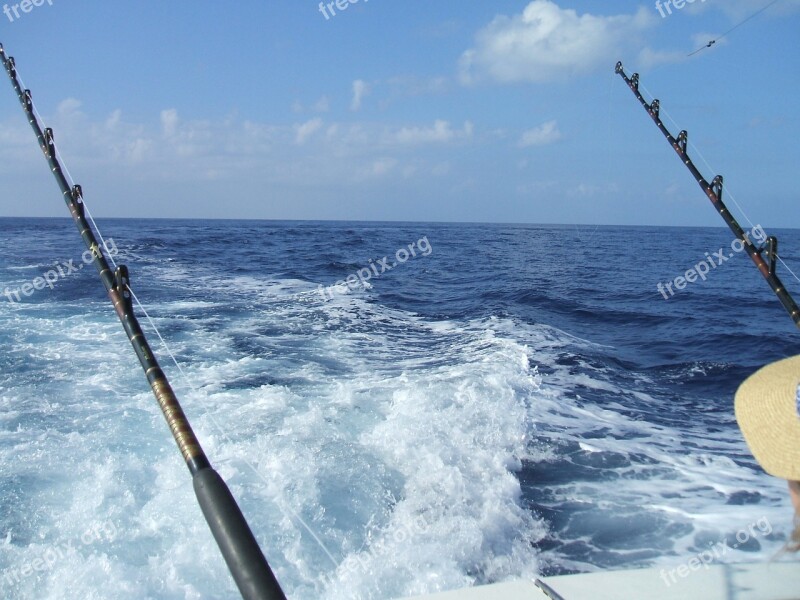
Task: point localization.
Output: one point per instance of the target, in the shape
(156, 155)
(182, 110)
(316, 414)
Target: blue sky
(504, 111)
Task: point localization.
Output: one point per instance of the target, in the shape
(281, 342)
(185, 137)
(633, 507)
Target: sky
(435, 110)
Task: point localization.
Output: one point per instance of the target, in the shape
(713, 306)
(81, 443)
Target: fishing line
(727, 191)
(714, 191)
(663, 111)
(225, 436)
(284, 509)
(69, 175)
(715, 40)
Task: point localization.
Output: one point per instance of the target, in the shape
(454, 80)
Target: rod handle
(246, 562)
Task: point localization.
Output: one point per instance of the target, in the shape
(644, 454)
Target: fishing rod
(714, 192)
(239, 547)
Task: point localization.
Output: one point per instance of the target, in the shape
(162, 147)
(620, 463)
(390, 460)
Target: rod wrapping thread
(115, 284)
(178, 424)
(714, 193)
(244, 557)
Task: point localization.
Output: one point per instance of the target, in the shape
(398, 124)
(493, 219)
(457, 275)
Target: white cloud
(360, 90)
(306, 130)
(69, 107)
(169, 122)
(547, 43)
(591, 190)
(544, 134)
(114, 119)
(649, 58)
(322, 105)
(440, 132)
(442, 169)
(382, 166)
(409, 85)
(137, 150)
(168, 149)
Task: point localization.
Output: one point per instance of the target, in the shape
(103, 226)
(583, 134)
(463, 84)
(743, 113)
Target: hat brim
(767, 412)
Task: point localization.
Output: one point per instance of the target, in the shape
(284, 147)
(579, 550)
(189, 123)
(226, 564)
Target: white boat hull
(772, 581)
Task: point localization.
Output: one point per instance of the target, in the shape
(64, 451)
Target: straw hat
(768, 412)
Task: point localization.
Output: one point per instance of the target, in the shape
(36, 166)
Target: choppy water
(511, 400)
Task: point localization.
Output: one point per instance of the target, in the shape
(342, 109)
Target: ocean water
(494, 402)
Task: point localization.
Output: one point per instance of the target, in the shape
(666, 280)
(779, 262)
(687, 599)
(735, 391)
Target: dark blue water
(493, 402)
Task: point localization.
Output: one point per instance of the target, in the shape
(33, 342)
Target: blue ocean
(400, 408)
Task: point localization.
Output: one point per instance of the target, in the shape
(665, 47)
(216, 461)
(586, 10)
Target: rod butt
(245, 560)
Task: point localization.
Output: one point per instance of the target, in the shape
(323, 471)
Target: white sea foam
(395, 441)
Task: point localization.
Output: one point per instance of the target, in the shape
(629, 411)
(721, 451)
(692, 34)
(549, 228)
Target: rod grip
(245, 560)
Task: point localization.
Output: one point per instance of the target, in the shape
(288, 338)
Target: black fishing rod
(714, 192)
(246, 562)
